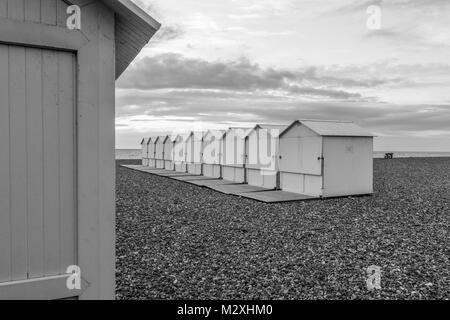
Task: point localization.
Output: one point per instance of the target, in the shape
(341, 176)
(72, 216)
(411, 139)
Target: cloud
(173, 87)
(232, 107)
(167, 33)
(174, 71)
(362, 5)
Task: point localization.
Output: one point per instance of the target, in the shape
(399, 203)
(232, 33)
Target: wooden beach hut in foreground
(326, 159)
(58, 66)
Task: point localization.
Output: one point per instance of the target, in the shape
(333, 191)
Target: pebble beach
(179, 241)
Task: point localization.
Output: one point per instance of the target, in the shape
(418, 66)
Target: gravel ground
(177, 241)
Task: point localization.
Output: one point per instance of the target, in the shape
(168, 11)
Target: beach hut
(233, 155)
(159, 152)
(179, 152)
(151, 152)
(169, 142)
(212, 150)
(58, 66)
(262, 155)
(144, 152)
(194, 150)
(326, 159)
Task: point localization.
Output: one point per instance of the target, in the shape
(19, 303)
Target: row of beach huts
(312, 157)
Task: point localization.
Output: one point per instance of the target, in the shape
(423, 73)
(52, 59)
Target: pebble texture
(179, 241)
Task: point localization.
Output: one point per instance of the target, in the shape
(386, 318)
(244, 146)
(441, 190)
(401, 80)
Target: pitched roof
(170, 137)
(182, 136)
(332, 128)
(246, 131)
(197, 134)
(160, 138)
(216, 133)
(274, 130)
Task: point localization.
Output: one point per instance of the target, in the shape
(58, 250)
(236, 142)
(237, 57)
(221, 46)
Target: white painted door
(37, 164)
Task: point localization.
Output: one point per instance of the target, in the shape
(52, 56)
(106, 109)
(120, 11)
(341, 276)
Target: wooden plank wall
(50, 12)
(37, 171)
(95, 237)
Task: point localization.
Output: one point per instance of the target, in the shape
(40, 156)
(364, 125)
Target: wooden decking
(226, 187)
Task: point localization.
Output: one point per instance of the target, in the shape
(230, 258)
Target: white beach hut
(262, 155)
(194, 150)
(151, 151)
(144, 150)
(159, 152)
(326, 159)
(212, 150)
(169, 142)
(179, 152)
(59, 60)
(233, 155)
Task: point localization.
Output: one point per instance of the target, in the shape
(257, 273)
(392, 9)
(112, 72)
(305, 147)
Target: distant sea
(128, 154)
(403, 154)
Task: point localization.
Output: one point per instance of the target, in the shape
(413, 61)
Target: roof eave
(130, 17)
(123, 6)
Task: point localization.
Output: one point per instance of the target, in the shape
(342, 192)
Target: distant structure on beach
(316, 158)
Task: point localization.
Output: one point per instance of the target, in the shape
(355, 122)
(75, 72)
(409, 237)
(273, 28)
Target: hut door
(37, 171)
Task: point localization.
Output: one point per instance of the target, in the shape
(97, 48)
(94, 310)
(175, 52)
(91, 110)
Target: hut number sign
(74, 19)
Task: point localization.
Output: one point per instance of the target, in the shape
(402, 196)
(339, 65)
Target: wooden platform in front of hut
(227, 187)
(209, 183)
(274, 196)
(237, 189)
(189, 178)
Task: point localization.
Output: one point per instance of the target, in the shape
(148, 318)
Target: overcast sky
(221, 63)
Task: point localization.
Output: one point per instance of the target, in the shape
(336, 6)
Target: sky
(218, 64)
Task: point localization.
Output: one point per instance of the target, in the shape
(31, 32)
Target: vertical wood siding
(50, 12)
(37, 166)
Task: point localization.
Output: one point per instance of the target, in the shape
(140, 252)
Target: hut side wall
(348, 166)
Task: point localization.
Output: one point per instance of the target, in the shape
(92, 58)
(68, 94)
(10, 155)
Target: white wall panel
(37, 172)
